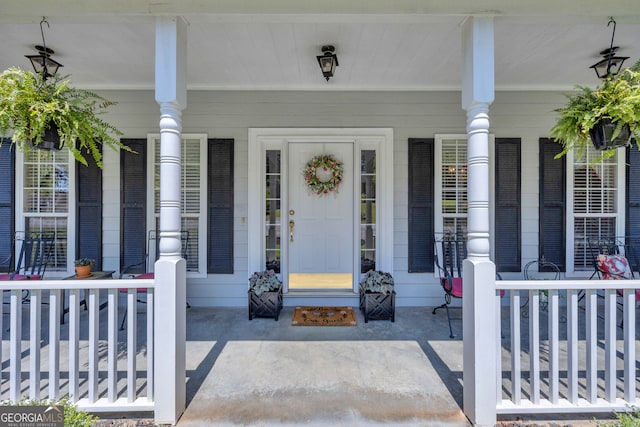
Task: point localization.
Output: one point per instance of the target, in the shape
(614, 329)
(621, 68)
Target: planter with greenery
(607, 116)
(377, 296)
(31, 106)
(265, 295)
(83, 267)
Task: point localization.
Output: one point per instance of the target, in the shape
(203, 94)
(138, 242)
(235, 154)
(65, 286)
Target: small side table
(95, 275)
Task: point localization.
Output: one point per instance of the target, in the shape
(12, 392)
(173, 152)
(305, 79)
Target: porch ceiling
(381, 45)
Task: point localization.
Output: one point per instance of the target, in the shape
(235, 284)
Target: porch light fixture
(611, 64)
(42, 62)
(328, 61)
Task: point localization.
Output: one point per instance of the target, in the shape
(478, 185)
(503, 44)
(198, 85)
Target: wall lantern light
(611, 64)
(328, 61)
(42, 62)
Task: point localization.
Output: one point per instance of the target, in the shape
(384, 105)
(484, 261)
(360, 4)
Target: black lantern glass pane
(52, 66)
(38, 62)
(327, 64)
(609, 67)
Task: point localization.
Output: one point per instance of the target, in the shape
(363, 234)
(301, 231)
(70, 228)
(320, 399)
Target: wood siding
(230, 114)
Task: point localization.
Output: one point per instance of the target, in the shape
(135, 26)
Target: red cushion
(614, 267)
(141, 276)
(7, 276)
(621, 293)
(137, 289)
(453, 286)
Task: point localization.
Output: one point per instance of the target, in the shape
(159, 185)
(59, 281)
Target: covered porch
(508, 363)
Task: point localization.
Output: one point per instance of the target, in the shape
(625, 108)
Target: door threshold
(302, 293)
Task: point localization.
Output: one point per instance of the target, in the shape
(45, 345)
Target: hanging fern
(617, 98)
(30, 105)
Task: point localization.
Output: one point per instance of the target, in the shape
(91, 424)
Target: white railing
(575, 353)
(78, 352)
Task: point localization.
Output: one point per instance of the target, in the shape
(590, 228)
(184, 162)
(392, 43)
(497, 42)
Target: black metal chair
(35, 253)
(184, 237)
(540, 269)
(449, 253)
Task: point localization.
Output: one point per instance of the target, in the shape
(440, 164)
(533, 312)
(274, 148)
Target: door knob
(291, 225)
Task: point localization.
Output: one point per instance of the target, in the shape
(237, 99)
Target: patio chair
(613, 259)
(126, 271)
(35, 253)
(449, 253)
(540, 269)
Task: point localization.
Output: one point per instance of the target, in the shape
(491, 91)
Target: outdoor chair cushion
(614, 267)
(141, 276)
(453, 286)
(7, 276)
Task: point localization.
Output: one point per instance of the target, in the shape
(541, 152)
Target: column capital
(477, 61)
(171, 60)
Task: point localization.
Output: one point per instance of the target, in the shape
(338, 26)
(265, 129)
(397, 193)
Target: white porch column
(479, 328)
(170, 269)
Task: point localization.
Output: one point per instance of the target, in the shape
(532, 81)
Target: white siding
(229, 114)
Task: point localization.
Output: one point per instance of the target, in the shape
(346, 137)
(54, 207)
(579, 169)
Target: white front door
(320, 234)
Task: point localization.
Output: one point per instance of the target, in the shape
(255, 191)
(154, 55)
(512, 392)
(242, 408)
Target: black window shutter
(508, 206)
(89, 212)
(421, 215)
(133, 197)
(552, 204)
(220, 206)
(633, 195)
(7, 208)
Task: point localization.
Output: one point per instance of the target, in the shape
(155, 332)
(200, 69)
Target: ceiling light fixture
(611, 64)
(328, 61)
(42, 62)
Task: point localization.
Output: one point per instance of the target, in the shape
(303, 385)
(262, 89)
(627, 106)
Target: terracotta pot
(83, 271)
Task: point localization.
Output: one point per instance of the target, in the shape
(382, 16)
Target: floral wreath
(323, 174)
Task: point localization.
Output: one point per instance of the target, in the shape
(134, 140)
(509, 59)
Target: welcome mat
(323, 316)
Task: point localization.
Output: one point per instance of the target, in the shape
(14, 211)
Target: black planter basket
(602, 132)
(378, 306)
(50, 139)
(267, 304)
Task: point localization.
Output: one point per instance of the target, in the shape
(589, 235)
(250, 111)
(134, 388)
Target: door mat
(323, 316)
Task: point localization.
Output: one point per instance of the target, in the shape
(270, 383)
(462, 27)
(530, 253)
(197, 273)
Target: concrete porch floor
(270, 373)
(263, 372)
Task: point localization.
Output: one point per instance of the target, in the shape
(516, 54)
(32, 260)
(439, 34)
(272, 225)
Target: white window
(47, 202)
(193, 198)
(451, 184)
(273, 200)
(596, 203)
(451, 181)
(368, 162)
